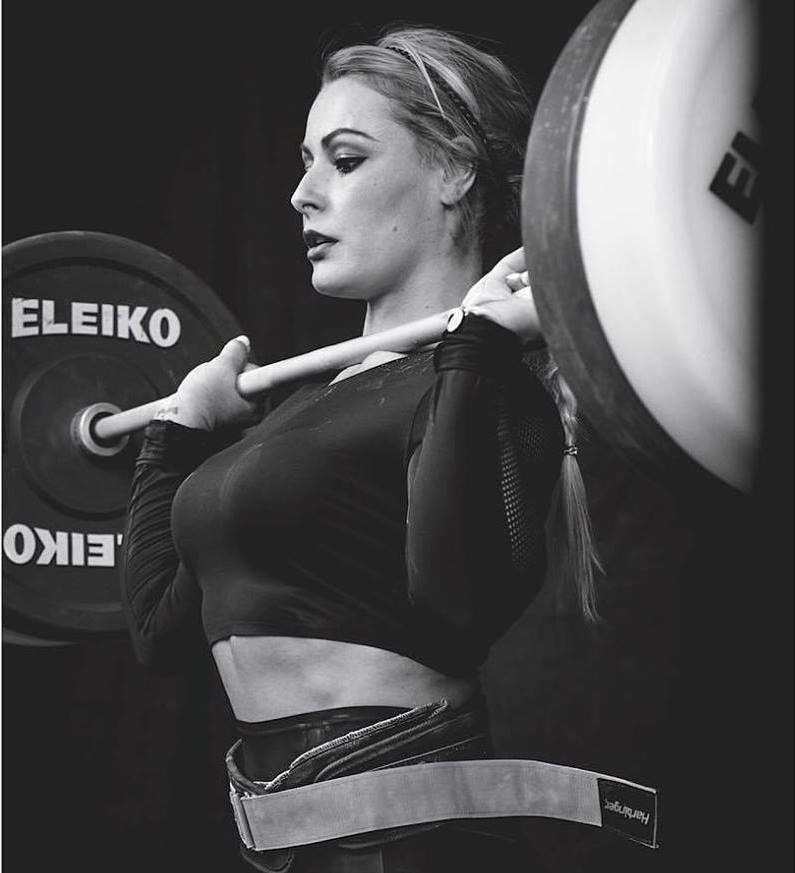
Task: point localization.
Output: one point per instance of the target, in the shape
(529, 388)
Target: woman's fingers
(509, 274)
(513, 262)
(517, 281)
(209, 392)
(492, 288)
(503, 295)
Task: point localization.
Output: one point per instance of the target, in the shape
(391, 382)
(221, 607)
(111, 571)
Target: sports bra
(402, 508)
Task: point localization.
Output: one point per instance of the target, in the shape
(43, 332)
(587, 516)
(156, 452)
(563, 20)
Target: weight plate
(71, 480)
(643, 254)
(87, 318)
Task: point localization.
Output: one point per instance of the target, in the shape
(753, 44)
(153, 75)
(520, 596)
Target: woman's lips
(317, 244)
(319, 250)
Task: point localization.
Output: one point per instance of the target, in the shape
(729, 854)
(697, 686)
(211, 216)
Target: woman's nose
(306, 195)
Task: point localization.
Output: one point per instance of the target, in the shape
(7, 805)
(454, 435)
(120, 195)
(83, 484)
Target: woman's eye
(347, 164)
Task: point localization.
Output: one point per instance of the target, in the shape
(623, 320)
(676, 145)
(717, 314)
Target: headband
(462, 107)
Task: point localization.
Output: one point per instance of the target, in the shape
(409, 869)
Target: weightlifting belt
(318, 798)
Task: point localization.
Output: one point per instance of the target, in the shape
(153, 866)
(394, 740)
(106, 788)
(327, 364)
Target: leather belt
(432, 792)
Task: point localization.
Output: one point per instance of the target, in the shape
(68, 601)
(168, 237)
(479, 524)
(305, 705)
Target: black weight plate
(70, 479)
(87, 318)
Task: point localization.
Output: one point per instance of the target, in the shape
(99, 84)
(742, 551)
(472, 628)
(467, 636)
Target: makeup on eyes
(347, 163)
(330, 139)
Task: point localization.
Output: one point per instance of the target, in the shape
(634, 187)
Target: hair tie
(462, 107)
(570, 449)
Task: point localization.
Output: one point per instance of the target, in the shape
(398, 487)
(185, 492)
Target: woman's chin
(331, 286)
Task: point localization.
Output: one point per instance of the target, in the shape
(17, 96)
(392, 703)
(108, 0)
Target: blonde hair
(427, 74)
(572, 551)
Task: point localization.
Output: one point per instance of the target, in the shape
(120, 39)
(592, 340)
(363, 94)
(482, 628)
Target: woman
(354, 555)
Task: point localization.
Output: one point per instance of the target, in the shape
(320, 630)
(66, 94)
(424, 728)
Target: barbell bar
(98, 426)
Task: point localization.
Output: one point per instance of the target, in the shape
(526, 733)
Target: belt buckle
(241, 819)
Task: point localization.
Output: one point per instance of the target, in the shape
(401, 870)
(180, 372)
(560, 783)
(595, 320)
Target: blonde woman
(353, 556)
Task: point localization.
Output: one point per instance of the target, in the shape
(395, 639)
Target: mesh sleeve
(485, 455)
(529, 450)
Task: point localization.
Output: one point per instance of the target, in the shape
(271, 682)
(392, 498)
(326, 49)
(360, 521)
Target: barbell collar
(84, 430)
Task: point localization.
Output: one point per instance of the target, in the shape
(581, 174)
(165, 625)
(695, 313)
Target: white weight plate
(672, 265)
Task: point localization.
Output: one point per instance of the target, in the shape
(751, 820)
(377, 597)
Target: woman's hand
(503, 295)
(207, 397)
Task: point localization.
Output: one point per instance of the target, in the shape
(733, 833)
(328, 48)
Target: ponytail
(573, 554)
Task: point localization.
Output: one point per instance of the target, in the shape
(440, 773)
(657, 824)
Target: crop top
(402, 508)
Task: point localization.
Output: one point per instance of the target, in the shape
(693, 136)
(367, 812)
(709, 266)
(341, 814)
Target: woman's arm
(485, 453)
(160, 598)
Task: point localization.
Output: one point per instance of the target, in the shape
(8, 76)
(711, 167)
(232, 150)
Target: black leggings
(269, 747)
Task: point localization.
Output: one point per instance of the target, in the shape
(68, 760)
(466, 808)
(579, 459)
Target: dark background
(177, 126)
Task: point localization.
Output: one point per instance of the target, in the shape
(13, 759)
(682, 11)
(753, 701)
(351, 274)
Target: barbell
(641, 221)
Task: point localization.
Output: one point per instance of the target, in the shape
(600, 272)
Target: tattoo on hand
(168, 410)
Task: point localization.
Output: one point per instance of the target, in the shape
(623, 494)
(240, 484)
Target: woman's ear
(460, 174)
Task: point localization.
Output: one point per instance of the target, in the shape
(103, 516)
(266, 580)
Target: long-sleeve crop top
(402, 507)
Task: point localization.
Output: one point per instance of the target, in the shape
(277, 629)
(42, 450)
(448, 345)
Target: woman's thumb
(237, 351)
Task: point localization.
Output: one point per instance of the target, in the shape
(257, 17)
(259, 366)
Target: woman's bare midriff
(273, 677)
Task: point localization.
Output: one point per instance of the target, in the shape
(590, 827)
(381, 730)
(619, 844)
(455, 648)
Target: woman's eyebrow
(329, 138)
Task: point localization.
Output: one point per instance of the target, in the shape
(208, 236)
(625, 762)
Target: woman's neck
(439, 286)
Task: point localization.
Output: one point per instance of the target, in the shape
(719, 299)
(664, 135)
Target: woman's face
(372, 213)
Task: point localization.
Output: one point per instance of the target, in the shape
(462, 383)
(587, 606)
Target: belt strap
(441, 791)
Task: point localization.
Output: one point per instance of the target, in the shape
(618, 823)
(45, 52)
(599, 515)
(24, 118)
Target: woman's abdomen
(274, 677)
